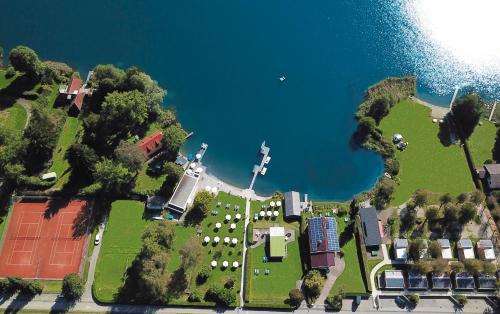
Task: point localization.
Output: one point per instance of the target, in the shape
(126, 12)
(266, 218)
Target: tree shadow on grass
(6, 102)
(346, 234)
(18, 86)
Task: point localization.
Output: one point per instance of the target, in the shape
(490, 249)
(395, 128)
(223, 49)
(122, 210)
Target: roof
(417, 281)
(464, 281)
(441, 282)
(485, 244)
(400, 249)
(370, 226)
(74, 85)
(487, 282)
(401, 243)
(78, 101)
(277, 241)
(466, 244)
(183, 193)
(493, 174)
(292, 204)
(323, 241)
(444, 243)
(394, 279)
(151, 144)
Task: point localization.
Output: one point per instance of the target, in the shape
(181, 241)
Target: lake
(220, 62)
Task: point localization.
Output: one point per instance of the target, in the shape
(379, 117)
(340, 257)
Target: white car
(97, 239)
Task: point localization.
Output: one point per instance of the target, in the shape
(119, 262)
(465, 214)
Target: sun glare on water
(452, 42)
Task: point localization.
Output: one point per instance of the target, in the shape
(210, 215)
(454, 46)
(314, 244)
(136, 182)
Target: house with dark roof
(323, 241)
(441, 281)
(490, 173)
(401, 249)
(150, 145)
(417, 281)
(464, 281)
(294, 204)
(392, 279)
(370, 227)
(486, 282)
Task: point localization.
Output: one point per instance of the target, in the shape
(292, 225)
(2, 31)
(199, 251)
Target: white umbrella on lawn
(228, 217)
(207, 239)
(272, 204)
(214, 264)
(233, 226)
(278, 203)
(218, 225)
(269, 213)
(276, 213)
(216, 239)
(262, 213)
(225, 263)
(226, 240)
(234, 241)
(236, 264)
(238, 216)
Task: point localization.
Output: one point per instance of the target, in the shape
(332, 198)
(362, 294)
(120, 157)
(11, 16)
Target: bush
(413, 298)
(10, 72)
(32, 288)
(4, 285)
(334, 302)
(229, 284)
(195, 296)
(461, 299)
(295, 297)
(312, 284)
(72, 287)
(16, 283)
(203, 275)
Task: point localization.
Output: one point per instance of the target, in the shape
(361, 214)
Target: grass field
(146, 183)
(14, 117)
(4, 82)
(283, 275)
(67, 137)
(426, 163)
(121, 243)
(351, 280)
(482, 141)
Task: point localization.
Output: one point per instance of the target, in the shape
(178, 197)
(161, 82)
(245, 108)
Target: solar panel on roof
(316, 232)
(331, 234)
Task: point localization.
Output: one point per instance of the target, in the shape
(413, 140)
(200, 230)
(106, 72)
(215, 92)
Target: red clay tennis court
(40, 240)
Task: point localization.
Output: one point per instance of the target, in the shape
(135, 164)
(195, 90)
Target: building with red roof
(74, 85)
(73, 95)
(323, 241)
(151, 145)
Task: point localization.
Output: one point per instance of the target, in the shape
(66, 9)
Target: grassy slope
(351, 280)
(146, 183)
(426, 163)
(120, 244)
(482, 141)
(14, 117)
(274, 288)
(4, 82)
(66, 138)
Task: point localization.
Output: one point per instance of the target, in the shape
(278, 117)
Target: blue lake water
(220, 62)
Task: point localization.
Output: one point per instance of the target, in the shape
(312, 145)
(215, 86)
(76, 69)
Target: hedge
(268, 306)
(248, 276)
(362, 251)
(250, 233)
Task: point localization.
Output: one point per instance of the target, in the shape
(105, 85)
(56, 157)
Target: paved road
(333, 274)
(87, 295)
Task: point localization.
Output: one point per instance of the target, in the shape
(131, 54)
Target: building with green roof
(277, 247)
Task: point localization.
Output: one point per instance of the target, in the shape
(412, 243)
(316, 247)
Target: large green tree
(467, 112)
(73, 286)
(380, 108)
(312, 284)
(174, 173)
(130, 156)
(113, 176)
(200, 208)
(173, 138)
(25, 59)
(82, 160)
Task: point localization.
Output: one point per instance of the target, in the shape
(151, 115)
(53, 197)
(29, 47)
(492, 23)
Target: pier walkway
(492, 111)
(264, 151)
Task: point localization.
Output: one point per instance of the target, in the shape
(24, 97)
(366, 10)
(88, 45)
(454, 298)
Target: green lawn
(283, 275)
(67, 137)
(482, 141)
(14, 117)
(351, 280)
(426, 163)
(4, 82)
(121, 243)
(146, 183)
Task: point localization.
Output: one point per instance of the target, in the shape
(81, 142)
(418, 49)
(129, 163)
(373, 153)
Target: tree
(450, 214)
(220, 296)
(461, 299)
(174, 173)
(434, 249)
(489, 268)
(199, 209)
(379, 108)
(383, 192)
(457, 267)
(152, 283)
(466, 112)
(203, 275)
(73, 286)
(166, 118)
(467, 213)
(421, 267)
(82, 160)
(25, 60)
(173, 138)
(162, 234)
(432, 213)
(409, 219)
(415, 248)
(421, 198)
(413, 298)
(445, 199)
(41, 136)
(191, 253)
(130, 156)
(313, 283)
(366, 126)
(440, 266)
(477, 197)
(295, 297)
(113, 176)
(462, 198)
(473, 266)
(392, 166)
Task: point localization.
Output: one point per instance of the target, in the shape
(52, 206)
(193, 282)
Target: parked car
(97, 239)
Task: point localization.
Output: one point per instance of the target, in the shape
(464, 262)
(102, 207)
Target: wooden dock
(264, 152)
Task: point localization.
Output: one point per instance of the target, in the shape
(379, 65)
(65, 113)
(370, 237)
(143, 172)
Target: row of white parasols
(234, 241)
(269, 213)
(225, 264)
(275, 204)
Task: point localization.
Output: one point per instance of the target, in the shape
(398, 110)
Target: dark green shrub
(413, 298)
(195, 296)
(295, 297)
(10, 72)
(203, 276)
(220, 296)
(72, 287)
(334, 302)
